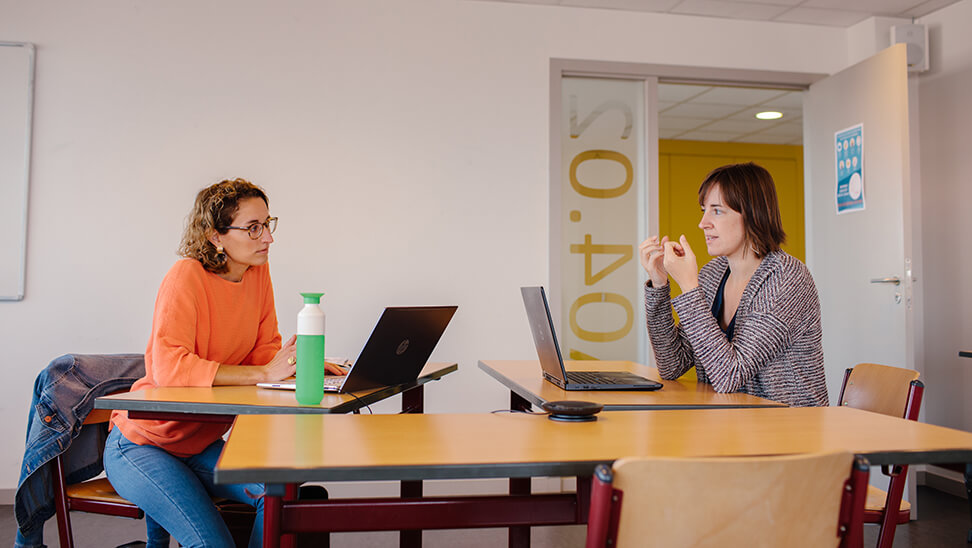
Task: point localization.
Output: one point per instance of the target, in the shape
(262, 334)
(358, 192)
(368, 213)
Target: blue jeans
(176, 492)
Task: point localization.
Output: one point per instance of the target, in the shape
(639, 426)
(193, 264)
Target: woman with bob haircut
(749, 320)
(214, 324)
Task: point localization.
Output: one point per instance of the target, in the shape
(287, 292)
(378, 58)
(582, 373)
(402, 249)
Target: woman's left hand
(681, 264)
(332, 368)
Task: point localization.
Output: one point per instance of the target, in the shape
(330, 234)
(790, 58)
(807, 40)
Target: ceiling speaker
(915, 37)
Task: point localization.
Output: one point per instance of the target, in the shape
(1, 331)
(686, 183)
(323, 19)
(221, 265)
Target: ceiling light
(769, 115)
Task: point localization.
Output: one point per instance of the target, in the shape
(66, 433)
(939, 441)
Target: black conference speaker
(572, 411)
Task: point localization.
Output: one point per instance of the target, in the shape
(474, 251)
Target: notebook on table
(395, 353)
(552, 361)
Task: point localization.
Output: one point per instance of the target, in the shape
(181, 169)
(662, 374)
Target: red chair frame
(64, 502)
(899, 474)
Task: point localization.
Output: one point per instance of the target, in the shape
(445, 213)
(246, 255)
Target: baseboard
(947, 481)
(7, 496)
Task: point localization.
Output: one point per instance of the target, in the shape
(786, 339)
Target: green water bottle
(310, 351)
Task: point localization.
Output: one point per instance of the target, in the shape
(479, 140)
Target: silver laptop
(396, 351)
(552, 362)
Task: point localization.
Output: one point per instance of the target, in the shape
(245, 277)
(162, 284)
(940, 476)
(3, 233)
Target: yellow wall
(682, 165)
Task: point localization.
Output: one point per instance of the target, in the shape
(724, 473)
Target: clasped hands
(661, 258)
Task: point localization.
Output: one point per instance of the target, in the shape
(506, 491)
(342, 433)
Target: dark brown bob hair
(215, 207)
(750, 190)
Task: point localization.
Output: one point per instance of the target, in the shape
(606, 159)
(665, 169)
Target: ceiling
(834, 13)
(728, 114)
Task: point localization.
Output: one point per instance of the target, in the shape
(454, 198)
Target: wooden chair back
(890, 391)
(813, 500)
(878, 388)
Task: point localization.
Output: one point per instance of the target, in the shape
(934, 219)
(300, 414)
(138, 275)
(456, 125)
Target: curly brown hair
(215, 207)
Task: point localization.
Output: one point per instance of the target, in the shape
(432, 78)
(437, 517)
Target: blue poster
(849, 153)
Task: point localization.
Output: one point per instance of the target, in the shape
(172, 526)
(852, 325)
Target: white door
(853, 255)
(850, 254)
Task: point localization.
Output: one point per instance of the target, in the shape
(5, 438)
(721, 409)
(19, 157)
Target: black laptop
(396, 351)
(552, 362)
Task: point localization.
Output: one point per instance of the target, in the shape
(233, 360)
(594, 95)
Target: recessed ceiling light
(769, 115)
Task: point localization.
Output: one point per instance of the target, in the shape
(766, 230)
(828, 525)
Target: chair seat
(874, 506)
(99, 490)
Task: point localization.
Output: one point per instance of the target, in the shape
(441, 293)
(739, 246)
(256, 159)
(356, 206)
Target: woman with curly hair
(214, 324)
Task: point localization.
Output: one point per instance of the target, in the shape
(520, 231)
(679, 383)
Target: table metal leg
(583, 499)
(410, 539)
(272, 515)
(289, 540)
(519, 403)
(413, 401)
(520, 536)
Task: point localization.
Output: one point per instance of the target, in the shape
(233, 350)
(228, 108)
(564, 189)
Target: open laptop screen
(541, 324)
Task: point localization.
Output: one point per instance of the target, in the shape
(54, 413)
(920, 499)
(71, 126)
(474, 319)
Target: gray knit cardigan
(776, 351)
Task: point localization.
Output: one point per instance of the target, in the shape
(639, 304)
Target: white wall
(945, 97)
(404, 146)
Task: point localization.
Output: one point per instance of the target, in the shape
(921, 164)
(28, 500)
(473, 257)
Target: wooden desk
(224, 403)
(527, 386)
(277, 449)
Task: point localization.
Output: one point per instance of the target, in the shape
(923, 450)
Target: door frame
(669, 74)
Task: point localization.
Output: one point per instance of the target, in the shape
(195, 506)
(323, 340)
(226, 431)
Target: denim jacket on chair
(64, 394)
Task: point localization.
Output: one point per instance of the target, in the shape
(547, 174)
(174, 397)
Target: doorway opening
(704, 126)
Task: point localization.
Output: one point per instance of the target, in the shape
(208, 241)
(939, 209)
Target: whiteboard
(16, 106)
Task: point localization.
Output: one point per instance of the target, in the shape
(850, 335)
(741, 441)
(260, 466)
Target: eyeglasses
(256, 229)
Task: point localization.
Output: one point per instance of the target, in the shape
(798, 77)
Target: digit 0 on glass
(602, 162)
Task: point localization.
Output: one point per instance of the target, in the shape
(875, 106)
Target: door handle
(892, 280)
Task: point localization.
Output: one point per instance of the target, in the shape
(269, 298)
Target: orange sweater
(201, 321)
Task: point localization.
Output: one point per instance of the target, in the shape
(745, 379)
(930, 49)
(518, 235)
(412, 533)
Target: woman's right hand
(652, 254)
(284, 363)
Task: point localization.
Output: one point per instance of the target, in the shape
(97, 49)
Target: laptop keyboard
(589, 377)
(334, 381)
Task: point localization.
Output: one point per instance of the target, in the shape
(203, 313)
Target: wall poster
(849, 156)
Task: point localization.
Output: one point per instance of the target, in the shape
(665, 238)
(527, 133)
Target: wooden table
(527, 387)
(222, 404)
(286, 448)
